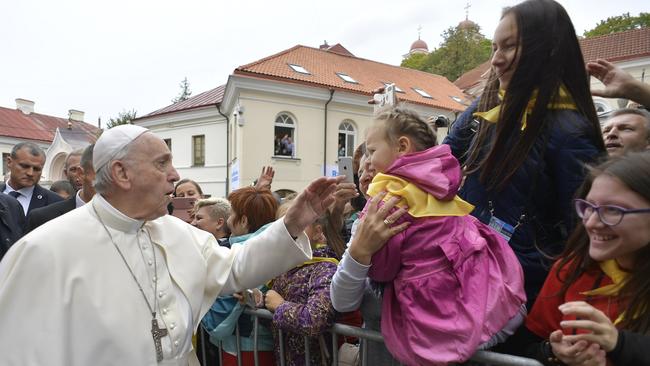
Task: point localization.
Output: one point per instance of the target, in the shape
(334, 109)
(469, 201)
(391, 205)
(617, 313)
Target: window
(347, 78)
(456, 99)
(347, 135)
(423, 93)
(397, 88)
(168, 142)
(5, 168)
(284, 136)
(198, 150)
(300, 69)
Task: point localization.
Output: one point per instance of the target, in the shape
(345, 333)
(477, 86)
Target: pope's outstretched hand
(311, 204)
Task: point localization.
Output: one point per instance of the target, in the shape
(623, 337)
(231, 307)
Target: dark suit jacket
(42, 215)
(40, 198)
(12, 220)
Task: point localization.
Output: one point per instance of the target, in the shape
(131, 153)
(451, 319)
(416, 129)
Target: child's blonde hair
(400, 120)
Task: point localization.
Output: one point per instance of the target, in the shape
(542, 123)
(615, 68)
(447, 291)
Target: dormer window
(300, 69)
(423, 93)
(347, 78)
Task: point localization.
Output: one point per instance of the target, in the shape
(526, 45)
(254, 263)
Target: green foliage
(462, 49)
(123, 118)
(415, 61)
(185, 92)
(619, 23)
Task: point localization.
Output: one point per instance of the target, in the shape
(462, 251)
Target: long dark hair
(549, 57)
(633, 170)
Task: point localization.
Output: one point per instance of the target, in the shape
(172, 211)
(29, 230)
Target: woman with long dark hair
(595, 300)
(524, 143)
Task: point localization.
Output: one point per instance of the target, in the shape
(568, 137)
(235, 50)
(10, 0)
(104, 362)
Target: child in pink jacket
(450, 283)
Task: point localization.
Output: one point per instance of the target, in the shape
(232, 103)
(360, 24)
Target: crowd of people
(526, 231)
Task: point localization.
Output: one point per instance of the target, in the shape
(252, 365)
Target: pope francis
(119, 282)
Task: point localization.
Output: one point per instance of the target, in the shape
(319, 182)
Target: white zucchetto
(112, 141)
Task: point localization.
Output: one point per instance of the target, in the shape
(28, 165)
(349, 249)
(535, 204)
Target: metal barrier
(364, 335)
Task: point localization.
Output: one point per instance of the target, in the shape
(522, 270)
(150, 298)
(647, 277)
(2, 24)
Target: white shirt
(25, 195)
(78, 201)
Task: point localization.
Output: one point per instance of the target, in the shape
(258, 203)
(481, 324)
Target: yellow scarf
(419, 202)
(319, 259)
(311, 261)
(564, 102)
(612, 270)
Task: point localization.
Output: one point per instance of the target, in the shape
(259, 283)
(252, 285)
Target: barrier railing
(364, 335)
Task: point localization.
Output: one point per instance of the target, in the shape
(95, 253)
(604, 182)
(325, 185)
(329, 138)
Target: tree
(415, 61)
(462, 49)
(619, 23)
(123, 118)
(185, 91)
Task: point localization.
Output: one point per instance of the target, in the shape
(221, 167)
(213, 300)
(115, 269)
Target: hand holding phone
(345, 168)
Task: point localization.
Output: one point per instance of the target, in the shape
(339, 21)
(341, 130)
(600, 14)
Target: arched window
(347, 135)
(285, 136)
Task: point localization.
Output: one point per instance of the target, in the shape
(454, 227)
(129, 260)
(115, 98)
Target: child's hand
(375, 228)
(602, 330)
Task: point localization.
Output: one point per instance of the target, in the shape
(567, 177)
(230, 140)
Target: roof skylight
(300, 69)
(423, 93)
(347, 78)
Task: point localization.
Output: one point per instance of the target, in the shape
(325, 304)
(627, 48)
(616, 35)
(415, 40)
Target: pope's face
(152, 176)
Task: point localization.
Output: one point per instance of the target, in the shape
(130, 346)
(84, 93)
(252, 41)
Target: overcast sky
(104, 57)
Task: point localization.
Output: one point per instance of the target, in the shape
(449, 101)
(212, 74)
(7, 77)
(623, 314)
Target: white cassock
(68, 299)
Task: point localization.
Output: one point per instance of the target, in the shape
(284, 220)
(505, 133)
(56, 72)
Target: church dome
(419, 45)
(467, 24)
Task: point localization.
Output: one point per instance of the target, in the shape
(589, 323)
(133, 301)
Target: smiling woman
(603, 277)
(524, 143)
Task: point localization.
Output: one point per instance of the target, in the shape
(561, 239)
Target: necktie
(14, 194)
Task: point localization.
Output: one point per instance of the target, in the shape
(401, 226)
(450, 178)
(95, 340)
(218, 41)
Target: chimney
(75, 115)
(324, 46)
(24, 105)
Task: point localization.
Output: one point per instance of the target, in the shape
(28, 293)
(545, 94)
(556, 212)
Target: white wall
(180, 127)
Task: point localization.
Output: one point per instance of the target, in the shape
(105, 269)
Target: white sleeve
(348, 284)
(265, 256)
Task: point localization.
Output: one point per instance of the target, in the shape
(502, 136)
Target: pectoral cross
(157, 334)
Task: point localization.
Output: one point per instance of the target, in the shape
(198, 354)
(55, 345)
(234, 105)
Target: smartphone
(183, 207)
(249, 298)
(345, 168)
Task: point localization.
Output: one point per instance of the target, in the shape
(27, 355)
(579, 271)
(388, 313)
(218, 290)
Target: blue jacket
(559, 169)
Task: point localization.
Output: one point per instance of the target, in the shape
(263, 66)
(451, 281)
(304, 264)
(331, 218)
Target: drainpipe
(325, 135)
(227, 148)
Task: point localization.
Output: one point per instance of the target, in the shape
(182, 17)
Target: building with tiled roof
(630, 50)
(298, 111)
(57, 136)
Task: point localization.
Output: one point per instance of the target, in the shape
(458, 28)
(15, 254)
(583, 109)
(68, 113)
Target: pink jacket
(451, 282)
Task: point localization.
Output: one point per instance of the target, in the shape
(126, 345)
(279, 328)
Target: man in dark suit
(26, 165)
(42, 215)
(12, 221)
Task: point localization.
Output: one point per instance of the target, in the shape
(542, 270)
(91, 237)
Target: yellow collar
(612, 270)
(564, 102)
(419, 202)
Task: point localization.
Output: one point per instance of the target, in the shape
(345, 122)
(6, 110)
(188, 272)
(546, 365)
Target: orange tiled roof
(470, 78)
(35, 126)
(210, 97)
(620, 46)
(323, 67)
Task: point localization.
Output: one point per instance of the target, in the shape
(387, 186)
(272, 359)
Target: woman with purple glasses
(594, 306)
